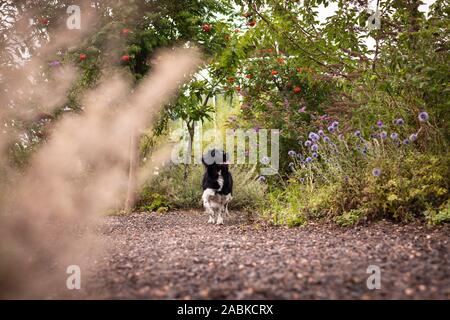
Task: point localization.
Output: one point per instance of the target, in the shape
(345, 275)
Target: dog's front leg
(211, 215)
(220, 214)
(226, 211)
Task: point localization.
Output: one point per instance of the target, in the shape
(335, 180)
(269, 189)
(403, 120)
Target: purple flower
(376, 172)
(406, 141)
(335, 124)
(302, 180)
(399, 122)
(326, 139)
(394, 136)
(315, 155)
(413, 137)
(358, 133)
(314, 147)
(423, 116)
(320, 132)
(308, 143)
(380, 124)
(54, 63)
(291, 153)
(383, 135)
(256, 129)
(308, 159)
(262, 179)
(331, 129)
(313, 136)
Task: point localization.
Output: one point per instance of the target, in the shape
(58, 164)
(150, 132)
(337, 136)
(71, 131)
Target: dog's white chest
(220, 181)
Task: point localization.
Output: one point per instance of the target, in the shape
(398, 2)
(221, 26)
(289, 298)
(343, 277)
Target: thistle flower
(262, 179)
(383, 135)
(394, 136)
(308, 143)
(313, 136)
(423, 116)
(315, 155)
(376, 172)
(308, 159)
(380, 124)
(357, 133)
(291, 153)
(399, 121)
(314, 147)
(413, 137)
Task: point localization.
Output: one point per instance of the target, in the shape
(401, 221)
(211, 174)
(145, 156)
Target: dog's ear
(216, 156)
(208, 157)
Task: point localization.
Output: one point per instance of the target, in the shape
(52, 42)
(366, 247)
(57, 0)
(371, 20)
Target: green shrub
(351, 217)
(152, 201)
(408, 186)
(354, 179)
(439, 216)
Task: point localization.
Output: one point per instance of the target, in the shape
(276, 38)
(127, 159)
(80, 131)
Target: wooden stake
(132, 169)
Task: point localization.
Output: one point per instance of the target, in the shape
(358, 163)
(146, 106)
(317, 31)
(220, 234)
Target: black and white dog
(217, 185)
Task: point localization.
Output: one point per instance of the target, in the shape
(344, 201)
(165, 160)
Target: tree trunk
(188, 156)
(132, 170)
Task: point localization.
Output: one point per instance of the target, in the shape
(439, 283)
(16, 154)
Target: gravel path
(178, 255)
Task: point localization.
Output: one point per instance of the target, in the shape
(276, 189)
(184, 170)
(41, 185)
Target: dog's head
(216, 160)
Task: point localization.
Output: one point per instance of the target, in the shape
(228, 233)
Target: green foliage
(343, 185)
(409, 185)
(442, 215)
(151, 201)
(351, 217)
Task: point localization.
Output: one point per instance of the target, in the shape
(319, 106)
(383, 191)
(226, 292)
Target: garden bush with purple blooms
(351, 177)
